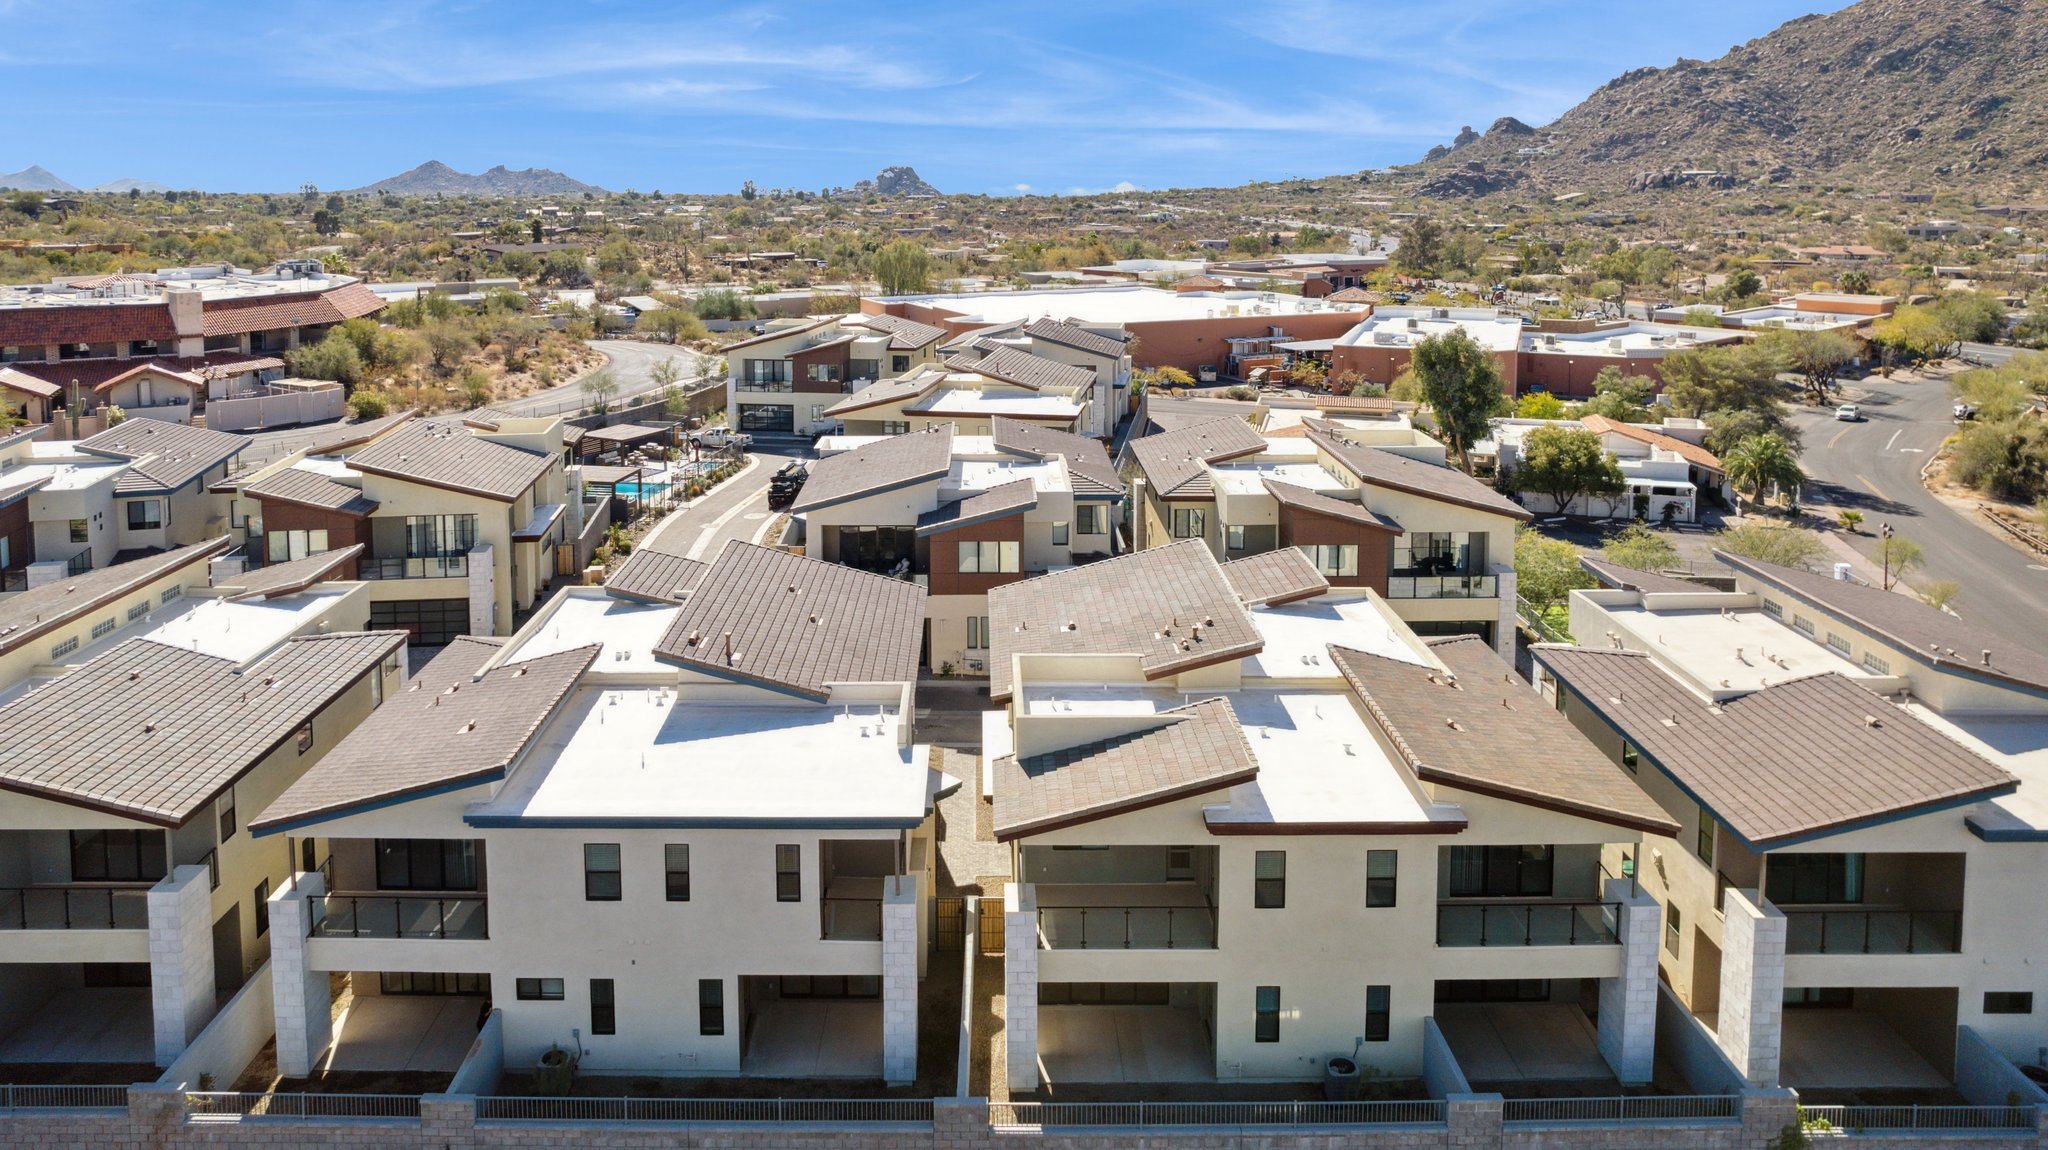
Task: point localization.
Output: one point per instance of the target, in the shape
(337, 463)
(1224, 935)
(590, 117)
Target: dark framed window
(604, 1011)
(1059, 534)
(102, 974)
(1501, 872)
(1269, 879)
(710, 1006)
(421, 982)
(602, 881)
(539, 989)
(1674, 929)
(145, 514)
(262, 905)
(1703, 845)
(1379, 1012)
(2008, 1002)
(676, 868)
(1631, 758)
(1813, 878)
(789, 879)
(80, 531)
(1190, 523)
(426, 864)
(117, 856)
(304, 737)
(1091, 519)
(1266, 1015)
(1382, 868)
(226, 808)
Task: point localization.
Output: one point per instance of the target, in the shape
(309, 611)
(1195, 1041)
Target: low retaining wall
(283, 409)
(230, 1041)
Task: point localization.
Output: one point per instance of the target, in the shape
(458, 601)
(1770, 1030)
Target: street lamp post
(1884, 550)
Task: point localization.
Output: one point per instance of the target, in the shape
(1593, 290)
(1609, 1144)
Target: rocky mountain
(127, 184)
(437, 178)
(1885, 94)
(34, 178)
(898, 180)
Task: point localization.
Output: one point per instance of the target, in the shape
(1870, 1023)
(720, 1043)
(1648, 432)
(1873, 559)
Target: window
(426, 864)
(710, 1007)
(1381, 869)
(538, 989)
(1703, 846)
(1673, 931)
(1190, 523)
(103, 628)
(78, 531)
(977, 632)
(1379, 1010)
(64, 648)
(789, 879)
(304, 738)
(1838, 643)
(117, 856)
(898, 364)
(145, 514)
(1059, 534)
(226, 809)
(262, 905)
(817, 412)
(1774, 609)
(675, 865)
(990, 557)
(1333, 558)
(1876, 664)
(1233, 537)
(1266, 1019)
(604, 1013)
(1793, 879)
(895, 427)
(138, 611)
(1630, 757)
(1269, 880)
(284, 546)
(376, 689)
(170, 595)
(1091, 519)
(1803, 625)
(2008, 1002)
(1500, 872)
(420, 982)
(143, 348)
(601, 879)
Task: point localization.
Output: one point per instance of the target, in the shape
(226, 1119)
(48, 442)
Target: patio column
(1751, 1028)
(483, 591)
(1505, 627)
(1020, 984)
(300, 997)
(181, 996)
(899, 979)
(1628, 1003)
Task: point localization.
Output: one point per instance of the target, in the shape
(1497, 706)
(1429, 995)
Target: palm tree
(1760, 461)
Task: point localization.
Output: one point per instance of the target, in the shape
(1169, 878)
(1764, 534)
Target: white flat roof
(66, 476)
(1118, 303)
(580, 616)
(625, 754)
(228, 630)
(1632, 340)
(977, 402)
(1743, 648)
(1305, 630)
(971, 475)
(1248, 478)
(1390, 327)
(2019, 743)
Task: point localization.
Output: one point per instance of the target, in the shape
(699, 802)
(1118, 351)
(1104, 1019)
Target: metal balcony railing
(1163, 927)
(1443, 587)
(400, 916)
(1558, 923)
(80, 563)
(1618, 1110)
(1873, 931)
(234, 1106)
(1859, 1119)
(723, 1111)
(1048, 1115)
(93, 1097)
(415, 567)
(75, 907)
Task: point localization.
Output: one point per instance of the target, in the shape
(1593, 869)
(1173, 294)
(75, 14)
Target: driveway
(736, 509)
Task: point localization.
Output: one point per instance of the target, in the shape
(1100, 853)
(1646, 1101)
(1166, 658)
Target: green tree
(448, 346)
(601, 386)
(1898, 555)
(334, 357)
(1700, 317)
(1911, 332)
(1854, 282)
(1566, 463)
(722, 303)
(1939, 593)
(1539, 405)
(1817, 356)
(1772, 543)
(2007, 459)
(368, 405)
(533, 229)
(902, 268)
(1462, 385)
(475, 386)
(674, 324)
(1851, 521)
(1729, 427)
(1969, 316)
(1761, 462)
(665, 373)
(1743, 282)
(1546, 570)
(1637, 546)
(1622, 398)
(1422, 246)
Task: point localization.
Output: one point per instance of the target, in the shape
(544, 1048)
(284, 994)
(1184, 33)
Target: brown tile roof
(1163, 413)
(1017, 366)
(26, 615)
(650, 576)
(887, 391)
(94, 373)
(450, 457)
(1355, 295)
(998, 502)
(311, 489)
(275, 313)
(1200, 283)
(1482, 729)
(796, 624)
(162, 456)
(156, 732)
(151, 367)
(1089, 471)
(357, 434)
(904, 334)
(1125, 605)
(448, 728)
(297, 575)
(1175, 462)
(1188, 750)
(1917, 629)
(1781, 764)
(1282, 575)
(884, 465)
(1690, 452)
(1378, 468)
(1316, 503)
(1077, 337)
(1636, 579)
(22, 381)
(86, 323)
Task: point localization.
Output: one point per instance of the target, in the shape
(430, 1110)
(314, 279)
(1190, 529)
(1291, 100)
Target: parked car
(1206, 373)
(722, 437)
(1965, 411)
(1848, 413)
(785, 483)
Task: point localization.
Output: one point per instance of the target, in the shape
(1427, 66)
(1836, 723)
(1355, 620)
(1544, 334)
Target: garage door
(430, 622)
(768, 418)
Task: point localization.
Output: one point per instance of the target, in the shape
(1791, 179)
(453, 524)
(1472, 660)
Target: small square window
(1233, 537)
(1631, 759)
(1059, 534)
(1382, 868)
(601, 878)
(1673, 930)
(103, 628)
(539, 989)
(79, 531)
(1803, 625)
(145, 514)
(1774, 609)
(227, 815)
(1704, 846)
(1269, 879)
(305, 738)
(64, 648)
(1876, 664)
(2008, 1002)
(171, 594)
(138, 611)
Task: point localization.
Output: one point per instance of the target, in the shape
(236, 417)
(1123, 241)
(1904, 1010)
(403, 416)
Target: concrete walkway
(1518, 1041)
(427, 1032)
(90, 1024)
(1123, 1044)
(820, 1038)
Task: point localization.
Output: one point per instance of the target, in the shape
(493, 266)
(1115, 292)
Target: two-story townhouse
(1104, 351)
(668, 835)
(1851, 772)
(785, 380)
(1666, 470)
(164, 497)
(1257, 824)
(960, 514)
(970, 390)
(1358, 502)
(132, 899)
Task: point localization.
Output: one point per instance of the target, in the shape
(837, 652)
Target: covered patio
(1123, 1044)
(86, 1024)
(814, 1038)
(1500, 1042)
(421, 1032)
(1837, 1049)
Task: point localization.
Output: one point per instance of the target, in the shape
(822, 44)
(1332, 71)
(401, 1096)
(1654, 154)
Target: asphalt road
(737, 509)
(1873, 466)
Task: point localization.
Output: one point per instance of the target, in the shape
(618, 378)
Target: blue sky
(697, 95)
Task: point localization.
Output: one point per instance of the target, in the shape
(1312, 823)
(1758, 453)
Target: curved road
(1874, 467)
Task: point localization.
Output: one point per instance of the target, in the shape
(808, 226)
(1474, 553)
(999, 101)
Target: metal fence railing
(400, 916)
(1443, 587)
(230, 1106)
(1561, 923)
(1049, 1115)
(1647, 1108)
(1864, 1119)
(74, 908)
(1873, 931)
(63, 1098)
(1127, 927)
(720, 1111)
(1532, 617)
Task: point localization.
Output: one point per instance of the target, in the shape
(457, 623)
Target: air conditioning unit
(977, 665)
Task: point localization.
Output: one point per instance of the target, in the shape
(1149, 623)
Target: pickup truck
(721, 437)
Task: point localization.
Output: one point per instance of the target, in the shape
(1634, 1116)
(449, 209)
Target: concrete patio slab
(88, 1024)
(1850, 1048)
(823, 1038)
(1123, 1044)
(406, 1032)
(1518, 1041)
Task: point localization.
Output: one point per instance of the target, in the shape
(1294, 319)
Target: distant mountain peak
(35, 178)
(898, 180)
(437, 178)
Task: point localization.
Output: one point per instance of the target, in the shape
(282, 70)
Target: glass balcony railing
(415, 567)
(1127, 927)
(1443, 587)
(400, 916)
(75, 907)
(1873, 931)
(1560, 923)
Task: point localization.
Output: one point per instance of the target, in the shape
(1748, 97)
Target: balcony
(1843, 931)
(1443, 587)
(783, 384)
(417, 567)
(1168, 917)
(400, 916)
(75, 907)
(851, 909)
(1557, 922)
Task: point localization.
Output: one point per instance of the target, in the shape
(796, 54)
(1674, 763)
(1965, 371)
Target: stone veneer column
(1628, 1003)
(181, 993)
(1750, 1027)
(899, 979)
(299, 994)
(1504, 630)
(1020, 984)
(483, 591)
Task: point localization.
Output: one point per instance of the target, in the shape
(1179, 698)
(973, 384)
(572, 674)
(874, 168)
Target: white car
(1847, 413)
(722, 437)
